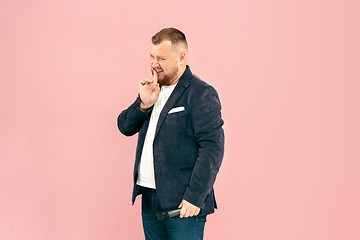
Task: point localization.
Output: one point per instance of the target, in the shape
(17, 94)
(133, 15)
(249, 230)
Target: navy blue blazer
(188, 146)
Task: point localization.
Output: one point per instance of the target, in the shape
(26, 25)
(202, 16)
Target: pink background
(288, 77)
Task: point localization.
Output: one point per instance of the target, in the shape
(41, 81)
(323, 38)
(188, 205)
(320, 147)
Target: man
(180, 142)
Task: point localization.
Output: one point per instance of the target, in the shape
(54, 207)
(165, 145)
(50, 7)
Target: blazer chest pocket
(177, 110)
(176, 116)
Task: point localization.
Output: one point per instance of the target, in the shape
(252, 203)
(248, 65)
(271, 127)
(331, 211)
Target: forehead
(163, 48)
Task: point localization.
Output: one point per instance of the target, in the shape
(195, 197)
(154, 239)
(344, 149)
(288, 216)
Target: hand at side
(188, 209)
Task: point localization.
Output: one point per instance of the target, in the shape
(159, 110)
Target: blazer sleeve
(209, 134)
(131, 119)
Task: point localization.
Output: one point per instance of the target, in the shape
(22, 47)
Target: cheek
(163, 66)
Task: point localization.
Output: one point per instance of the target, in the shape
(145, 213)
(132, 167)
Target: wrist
(143, 107)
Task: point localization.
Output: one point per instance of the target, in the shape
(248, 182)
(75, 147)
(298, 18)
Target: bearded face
(164, 62)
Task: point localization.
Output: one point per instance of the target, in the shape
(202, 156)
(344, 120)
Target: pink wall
(288, 76)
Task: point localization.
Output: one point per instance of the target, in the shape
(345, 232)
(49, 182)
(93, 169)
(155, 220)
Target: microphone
(165, 215)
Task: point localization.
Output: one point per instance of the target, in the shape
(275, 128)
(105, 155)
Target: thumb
(181, 204)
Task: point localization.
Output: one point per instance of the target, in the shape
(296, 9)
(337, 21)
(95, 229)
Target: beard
(168, 78)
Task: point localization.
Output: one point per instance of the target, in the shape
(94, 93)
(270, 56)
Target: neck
(177, 78)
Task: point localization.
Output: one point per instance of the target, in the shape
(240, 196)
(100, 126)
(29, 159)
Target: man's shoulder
(202, 96)
(197, 83)
(200, 87)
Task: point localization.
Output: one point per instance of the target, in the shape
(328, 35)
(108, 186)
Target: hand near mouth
(149, 92)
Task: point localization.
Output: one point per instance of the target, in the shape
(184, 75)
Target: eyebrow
(160, 56)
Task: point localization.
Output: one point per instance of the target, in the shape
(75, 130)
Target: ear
(182, 57)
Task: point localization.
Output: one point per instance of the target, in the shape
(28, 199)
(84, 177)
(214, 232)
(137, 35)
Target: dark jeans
(191, 228)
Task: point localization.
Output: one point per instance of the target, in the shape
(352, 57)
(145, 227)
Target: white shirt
(146, 176)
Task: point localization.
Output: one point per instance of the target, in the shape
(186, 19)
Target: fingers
(147, 81)
(183, 210)
(142, 82)
(188, 209)
(155, 77)
(197, 212)
(184, 213)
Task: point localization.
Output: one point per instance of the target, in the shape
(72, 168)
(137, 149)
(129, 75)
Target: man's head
(168, 55)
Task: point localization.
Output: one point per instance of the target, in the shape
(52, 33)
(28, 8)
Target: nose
(154, 63)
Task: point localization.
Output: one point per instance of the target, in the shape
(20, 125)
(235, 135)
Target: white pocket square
(177, 109)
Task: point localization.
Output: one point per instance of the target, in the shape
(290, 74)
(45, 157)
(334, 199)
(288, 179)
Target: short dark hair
(173, 35)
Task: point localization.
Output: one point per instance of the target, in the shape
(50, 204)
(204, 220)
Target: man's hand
(188, 209)
(149, 92)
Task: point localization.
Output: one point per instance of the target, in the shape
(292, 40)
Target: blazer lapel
(178, 91)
